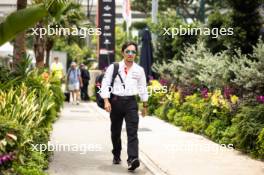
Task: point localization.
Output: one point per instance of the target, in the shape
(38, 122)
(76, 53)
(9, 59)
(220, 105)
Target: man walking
(129, 82)
(56, 69)
(85, 79)
(74, 83)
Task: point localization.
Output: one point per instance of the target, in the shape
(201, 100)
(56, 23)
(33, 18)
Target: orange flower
(45, 76)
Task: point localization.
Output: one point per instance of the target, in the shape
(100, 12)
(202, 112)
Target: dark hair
(128, 43)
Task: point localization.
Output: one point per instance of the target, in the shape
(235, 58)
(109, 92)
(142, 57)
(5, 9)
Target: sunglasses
(131, 52)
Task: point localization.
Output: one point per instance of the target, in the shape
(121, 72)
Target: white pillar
(154, 11)
(154, 17)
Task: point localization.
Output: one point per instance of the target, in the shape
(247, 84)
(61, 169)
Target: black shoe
(133, 164)
(116, 160)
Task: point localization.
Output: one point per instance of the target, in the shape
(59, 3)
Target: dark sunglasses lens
(131, 52)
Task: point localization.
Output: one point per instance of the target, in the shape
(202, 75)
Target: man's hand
(81, 81)
(107, 105)
(144, 111)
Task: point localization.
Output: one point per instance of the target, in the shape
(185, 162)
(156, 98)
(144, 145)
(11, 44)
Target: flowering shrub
(242, 74)
(219, 116)
(6, 144)
(154, 97)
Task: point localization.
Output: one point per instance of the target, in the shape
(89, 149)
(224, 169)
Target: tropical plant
(71, 16)
(29, 105)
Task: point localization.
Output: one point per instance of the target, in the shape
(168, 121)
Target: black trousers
(84, 93)
(124, 109)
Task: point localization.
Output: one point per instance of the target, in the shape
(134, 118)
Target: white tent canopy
(6, 51)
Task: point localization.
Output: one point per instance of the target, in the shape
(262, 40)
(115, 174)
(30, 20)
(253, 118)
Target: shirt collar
(123, 65)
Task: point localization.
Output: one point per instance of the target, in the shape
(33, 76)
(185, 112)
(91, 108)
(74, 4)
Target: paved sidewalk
(182, 153)
(164, 148)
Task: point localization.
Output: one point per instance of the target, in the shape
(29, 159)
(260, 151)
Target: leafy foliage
(215, 71)
(249, 73)
(28, 107)
(249, 123)
(21, 20)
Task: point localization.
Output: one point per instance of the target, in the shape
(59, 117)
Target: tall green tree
(246, 21)
(216, 20)
(187, 9)
(170, 46)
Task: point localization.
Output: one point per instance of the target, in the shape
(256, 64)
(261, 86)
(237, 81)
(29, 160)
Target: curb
(151, 165)
(146, 160)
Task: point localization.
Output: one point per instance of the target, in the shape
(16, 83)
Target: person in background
(85, 79)
(56, 69)
(74, 83)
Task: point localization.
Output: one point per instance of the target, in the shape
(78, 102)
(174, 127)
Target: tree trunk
(49, 45)
(20, 41)
(39, 47)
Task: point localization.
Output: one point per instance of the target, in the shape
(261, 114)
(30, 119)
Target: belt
(117, 97)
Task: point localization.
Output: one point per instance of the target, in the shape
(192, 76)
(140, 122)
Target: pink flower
(163, 82)
(204, 92)
(5, 158)
(260, 99)
(227, 92)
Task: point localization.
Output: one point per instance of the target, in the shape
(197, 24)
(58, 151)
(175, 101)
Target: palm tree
(20, 43)
(39, 46)
(72, 16)
(39, 42)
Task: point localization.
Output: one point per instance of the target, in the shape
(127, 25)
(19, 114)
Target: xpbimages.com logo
(62, 147)
(139, 90)
(61, 31)
(180, 31)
